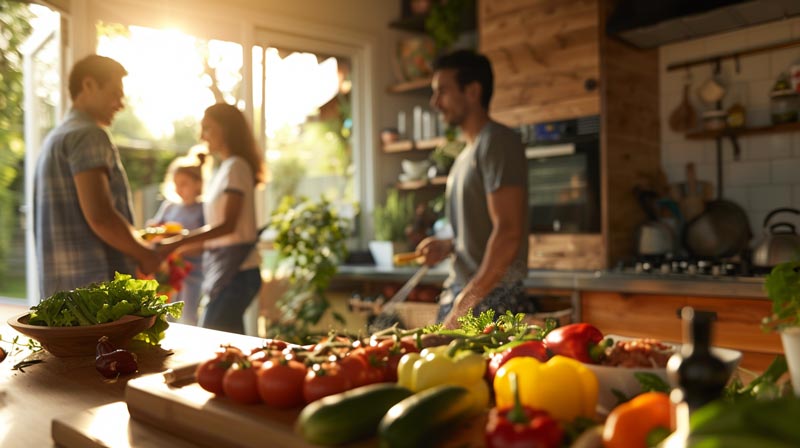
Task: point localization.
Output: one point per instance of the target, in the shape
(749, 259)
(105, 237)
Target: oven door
(564, 188)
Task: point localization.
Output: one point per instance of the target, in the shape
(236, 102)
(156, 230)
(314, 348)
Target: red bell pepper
(582, 341)
(521, 426)
(534, 349)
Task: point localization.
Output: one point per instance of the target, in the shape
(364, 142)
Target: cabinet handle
(590, 84)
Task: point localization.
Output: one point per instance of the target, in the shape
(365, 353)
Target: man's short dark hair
(470, 67)
(99, 68)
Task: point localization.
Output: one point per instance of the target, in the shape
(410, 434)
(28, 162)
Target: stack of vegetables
(412, 388)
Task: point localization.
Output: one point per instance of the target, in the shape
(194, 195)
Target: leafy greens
(106, 302)
(783, 289)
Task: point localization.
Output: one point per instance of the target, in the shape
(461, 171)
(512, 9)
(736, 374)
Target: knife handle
(404, 257)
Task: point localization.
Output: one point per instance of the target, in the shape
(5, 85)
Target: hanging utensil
(683, 118)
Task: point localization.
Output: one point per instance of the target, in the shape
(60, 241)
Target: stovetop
(688, 267)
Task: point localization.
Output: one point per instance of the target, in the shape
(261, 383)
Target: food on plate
(107, 302)
(638, 353)
(112, 362)
(348, 416)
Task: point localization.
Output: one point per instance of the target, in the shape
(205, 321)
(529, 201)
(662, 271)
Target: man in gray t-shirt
(82, 214)
(486, 197)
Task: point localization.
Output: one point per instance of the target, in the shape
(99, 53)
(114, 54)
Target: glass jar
(784, 105)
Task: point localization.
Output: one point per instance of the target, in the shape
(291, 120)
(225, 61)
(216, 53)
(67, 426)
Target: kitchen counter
(67, 388)
(616, 281)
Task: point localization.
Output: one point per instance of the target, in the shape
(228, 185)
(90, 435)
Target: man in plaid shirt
(82, 212)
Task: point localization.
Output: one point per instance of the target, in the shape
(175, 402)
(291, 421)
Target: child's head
(184, 180)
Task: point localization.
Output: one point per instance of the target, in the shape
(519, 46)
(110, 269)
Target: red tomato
(241, 384)
(353, 367)
(209, 374)
(396, 351)
(322, 381)
(280, 383)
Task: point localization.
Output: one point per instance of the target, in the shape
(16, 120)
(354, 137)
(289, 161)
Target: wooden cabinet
(649, 315)
(545, 55)
(552, 61)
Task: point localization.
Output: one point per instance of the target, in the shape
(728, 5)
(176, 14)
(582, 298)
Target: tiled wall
(767, 174)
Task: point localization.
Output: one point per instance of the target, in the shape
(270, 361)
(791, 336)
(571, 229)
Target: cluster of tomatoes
(285, 375)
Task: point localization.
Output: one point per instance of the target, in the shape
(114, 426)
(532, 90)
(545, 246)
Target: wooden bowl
(82, 340)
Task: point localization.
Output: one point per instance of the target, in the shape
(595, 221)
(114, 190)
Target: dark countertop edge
(609, 281)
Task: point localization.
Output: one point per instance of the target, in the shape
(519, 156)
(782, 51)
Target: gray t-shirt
(497, 158)
(69, 253)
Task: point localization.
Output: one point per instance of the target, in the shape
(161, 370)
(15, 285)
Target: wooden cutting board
(200, 417)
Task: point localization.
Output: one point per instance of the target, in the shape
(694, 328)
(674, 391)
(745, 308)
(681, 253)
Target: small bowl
(622, 378)
(82, 340)
(415, 169)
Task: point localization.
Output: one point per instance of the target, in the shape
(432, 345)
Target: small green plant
(783, 289)
(310, 240)
(392, 218)
(444, 22)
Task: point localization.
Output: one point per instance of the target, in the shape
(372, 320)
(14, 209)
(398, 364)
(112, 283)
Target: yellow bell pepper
(561, 386)
(433, 367)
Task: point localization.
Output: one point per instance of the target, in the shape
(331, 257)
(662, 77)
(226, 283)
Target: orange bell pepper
(639, 422)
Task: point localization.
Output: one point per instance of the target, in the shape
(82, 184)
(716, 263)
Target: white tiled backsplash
(767, 174)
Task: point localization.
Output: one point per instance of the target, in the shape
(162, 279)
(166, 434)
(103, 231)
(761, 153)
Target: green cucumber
(411, 422)
(350, 415)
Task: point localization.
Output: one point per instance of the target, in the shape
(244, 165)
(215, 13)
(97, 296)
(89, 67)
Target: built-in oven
(563, 175)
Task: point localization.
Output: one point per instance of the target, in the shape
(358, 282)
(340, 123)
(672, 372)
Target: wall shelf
(437, 181)
(740, 132)
(410, 145)
(411, 86)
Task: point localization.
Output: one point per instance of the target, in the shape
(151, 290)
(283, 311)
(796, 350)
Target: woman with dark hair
(231, 262)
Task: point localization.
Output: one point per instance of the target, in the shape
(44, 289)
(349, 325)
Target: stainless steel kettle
(780, 242)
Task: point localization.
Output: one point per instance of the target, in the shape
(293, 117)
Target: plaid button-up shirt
(69, 254)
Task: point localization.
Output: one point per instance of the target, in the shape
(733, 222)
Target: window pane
(307, 124)
(29, 94)
(172, 78)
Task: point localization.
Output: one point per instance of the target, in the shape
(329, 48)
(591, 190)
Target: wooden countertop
(69, 387)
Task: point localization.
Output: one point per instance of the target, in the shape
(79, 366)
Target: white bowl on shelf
(415, 169)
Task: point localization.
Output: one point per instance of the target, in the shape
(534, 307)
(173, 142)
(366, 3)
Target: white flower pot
(382, 252)
(790, 337)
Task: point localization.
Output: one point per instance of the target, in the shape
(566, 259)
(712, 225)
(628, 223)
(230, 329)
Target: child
(182, 191)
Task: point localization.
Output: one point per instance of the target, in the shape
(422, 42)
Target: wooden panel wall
(649, 315)
(630, 135)
(542, 52)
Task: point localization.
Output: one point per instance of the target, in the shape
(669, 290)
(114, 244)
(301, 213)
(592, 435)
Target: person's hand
(433, 250)
(151, 262)
(450, 321)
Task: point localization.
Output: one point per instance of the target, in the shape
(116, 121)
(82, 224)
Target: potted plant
(783, 289)
(446, 20)
(310, 239)
(391, 221)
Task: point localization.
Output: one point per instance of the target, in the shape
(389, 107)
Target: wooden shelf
(437, 181)
(740, 132)
(410, 145)
(410, 86)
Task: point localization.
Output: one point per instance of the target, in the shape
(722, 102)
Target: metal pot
(780, 242)
(722, 230)
(655, 238)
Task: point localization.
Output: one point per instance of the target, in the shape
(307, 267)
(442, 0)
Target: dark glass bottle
(697, 372)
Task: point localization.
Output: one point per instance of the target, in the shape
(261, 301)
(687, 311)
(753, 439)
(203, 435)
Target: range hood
(648, 24)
